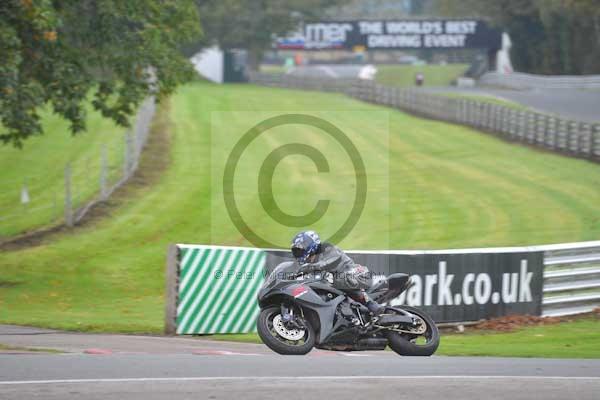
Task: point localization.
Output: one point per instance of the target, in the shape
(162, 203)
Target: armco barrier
(212, 289)
(571, 278)
(520, 81)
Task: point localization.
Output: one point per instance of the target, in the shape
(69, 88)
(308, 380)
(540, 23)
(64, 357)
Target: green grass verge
(575, 339)
(39, 166)
(450, 187)
(5, 348)
(404, 75)
(484, 99)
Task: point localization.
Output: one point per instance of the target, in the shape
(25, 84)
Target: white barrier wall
(209, 64)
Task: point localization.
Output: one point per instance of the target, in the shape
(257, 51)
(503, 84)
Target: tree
(549, 36)
(379, 9)
(60, 53)
(252, 25)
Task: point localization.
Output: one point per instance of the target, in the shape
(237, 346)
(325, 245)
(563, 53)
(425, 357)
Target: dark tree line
(549, 36)
(252, 25)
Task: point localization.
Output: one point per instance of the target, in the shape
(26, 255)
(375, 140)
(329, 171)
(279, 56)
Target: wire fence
(554, 133)
(36, 201)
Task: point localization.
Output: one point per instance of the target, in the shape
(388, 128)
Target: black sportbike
(299, 312)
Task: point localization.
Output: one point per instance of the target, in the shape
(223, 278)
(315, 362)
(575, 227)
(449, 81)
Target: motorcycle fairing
(304, 295)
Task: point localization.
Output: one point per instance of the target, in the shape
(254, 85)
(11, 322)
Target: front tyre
(407, 344)
(281, 339)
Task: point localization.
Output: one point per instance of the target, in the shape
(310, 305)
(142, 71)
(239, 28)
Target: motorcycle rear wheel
(275, 341)
(405, 343)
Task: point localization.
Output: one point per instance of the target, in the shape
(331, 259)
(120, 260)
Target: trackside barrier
(571, 279)
(553, 133)
(520, 81)
(213, 289)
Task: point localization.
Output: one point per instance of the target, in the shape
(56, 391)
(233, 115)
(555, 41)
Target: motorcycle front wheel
(407, 344)
(279, 338)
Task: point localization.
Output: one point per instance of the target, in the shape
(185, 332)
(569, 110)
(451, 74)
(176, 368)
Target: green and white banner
(213, 289)
(217, 288)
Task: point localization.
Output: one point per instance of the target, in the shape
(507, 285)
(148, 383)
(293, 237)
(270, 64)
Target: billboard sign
(213, 289)
(394, 35)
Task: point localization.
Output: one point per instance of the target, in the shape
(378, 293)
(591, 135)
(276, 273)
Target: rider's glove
(304, 269)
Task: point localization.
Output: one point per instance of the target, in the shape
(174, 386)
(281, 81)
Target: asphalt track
(579, 105)
(327, 71)
(146, 367)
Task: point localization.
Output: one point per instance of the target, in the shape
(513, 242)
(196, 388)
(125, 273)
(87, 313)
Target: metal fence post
(562, 135)
(466, 111)
(500, 123)
(550, 136)
(540, 129)
(494, 119)
(512, 123)
(68, 197)
(585, 140)
(172, 281)
(103, 172)
(521, 128)
(596, 142)
(471, 111)
(530, 133)
(573, 137)
(127, 160)
(489, 123)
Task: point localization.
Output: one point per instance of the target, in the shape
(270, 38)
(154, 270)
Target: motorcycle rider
(312, 255)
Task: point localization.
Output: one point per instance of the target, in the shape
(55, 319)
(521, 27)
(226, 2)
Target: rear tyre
(406, 344)
(282, 340)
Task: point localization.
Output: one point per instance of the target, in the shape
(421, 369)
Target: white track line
(354, 355)
(270, 378)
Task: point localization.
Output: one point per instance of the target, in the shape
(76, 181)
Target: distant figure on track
(419, 79)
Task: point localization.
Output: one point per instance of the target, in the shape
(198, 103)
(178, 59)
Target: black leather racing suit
(347, 275)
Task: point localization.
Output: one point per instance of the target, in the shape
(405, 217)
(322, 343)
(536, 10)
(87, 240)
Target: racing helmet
(304, 245)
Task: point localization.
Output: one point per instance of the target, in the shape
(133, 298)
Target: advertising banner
(216, 286)
(400, 34)
(455, 286)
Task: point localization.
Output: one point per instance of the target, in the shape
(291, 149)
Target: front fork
(289, 320)
(286, 313)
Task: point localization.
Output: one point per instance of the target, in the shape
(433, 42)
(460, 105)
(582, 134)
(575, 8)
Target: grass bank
(440, 186)
(39, 166)
(404, 75)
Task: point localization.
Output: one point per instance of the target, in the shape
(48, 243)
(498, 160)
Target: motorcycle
(301, 311)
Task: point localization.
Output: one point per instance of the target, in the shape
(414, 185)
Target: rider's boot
(374, 307)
